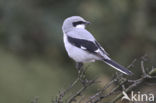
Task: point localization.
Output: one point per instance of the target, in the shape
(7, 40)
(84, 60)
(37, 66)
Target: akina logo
(138, 97)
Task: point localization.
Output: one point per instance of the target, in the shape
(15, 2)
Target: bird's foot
(81, 73)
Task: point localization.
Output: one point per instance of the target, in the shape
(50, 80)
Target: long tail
(117, 66)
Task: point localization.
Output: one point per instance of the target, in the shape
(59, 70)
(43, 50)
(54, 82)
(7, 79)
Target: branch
(78, 93)
(137, 82)
(85, 84)
(101, 95)
(59, 98)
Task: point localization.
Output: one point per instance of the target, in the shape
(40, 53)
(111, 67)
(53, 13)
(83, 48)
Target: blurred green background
(33, 61)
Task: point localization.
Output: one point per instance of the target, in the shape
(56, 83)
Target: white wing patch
(98, 51)
(82, 47)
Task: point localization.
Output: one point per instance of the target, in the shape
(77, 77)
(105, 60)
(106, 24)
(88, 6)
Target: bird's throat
(82, 26)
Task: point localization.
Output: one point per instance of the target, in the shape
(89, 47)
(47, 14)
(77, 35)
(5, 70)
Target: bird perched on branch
(82, 47)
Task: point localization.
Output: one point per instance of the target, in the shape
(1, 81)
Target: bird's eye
(78, 23)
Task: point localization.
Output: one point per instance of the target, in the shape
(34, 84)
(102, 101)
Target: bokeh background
(33, 61)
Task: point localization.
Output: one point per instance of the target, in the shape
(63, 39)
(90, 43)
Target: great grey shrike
(81, 45)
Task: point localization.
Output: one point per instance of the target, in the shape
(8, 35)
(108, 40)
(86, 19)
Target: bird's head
(74, 22)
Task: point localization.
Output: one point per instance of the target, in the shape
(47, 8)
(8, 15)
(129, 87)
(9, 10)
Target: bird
(82, 47)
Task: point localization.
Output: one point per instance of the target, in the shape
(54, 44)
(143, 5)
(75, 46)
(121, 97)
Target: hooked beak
(87, 22)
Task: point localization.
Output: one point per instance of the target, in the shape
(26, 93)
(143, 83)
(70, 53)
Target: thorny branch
(100, 95)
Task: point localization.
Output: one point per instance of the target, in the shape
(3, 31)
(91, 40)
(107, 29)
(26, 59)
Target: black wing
(86, 45)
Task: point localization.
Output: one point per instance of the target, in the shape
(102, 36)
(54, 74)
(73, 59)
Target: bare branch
(134, 85)
(132, 63)
(119, 79)
(142, 68)
(98, 95)
(78, 93)
(59, 98)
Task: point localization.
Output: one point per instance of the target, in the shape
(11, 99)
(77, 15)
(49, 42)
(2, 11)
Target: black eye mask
(78, 23)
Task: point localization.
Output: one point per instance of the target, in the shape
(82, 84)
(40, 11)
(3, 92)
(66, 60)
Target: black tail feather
(118, 66)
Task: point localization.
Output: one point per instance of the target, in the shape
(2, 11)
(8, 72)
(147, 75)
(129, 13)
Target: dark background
(33, 61)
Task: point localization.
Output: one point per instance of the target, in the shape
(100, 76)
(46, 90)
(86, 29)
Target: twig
(85, 84)
(137, 82)
(119, 77)
(59, 98)
(97, 96)
(142, 67)
(78, 93)
(132, 63)
(101, 96)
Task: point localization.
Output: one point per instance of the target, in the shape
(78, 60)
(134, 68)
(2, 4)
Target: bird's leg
(81, 73)
(79, 65)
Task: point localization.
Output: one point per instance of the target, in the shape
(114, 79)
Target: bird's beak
(87, 22)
